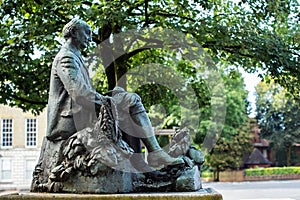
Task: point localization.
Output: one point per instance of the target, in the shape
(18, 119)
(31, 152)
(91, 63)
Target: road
(262, 190)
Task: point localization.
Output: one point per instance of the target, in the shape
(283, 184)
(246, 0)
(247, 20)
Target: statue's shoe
(160, 159)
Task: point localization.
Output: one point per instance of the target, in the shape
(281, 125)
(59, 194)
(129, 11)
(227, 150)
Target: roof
(257, 158)
(262, 143)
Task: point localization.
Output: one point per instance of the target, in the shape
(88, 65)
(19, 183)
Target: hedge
(206, 174)
(272, 171)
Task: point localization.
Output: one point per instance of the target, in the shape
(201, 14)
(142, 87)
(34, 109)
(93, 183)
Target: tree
(235, 140)
(278, 116)
(253, 34)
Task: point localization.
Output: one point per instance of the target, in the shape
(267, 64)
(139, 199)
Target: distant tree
(252, 34)
(278, 116)
(235, 138)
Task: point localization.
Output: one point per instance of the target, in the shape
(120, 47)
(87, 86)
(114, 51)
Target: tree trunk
(288, 155)
(121, 74)
(108, 63)
(114, 60)
(110, 72)
(116, 74)
(216, 175)
(106, 53)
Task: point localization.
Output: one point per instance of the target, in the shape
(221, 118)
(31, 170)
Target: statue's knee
(136, 105)
(133, 98)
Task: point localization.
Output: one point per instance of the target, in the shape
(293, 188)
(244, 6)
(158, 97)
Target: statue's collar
(73, 49)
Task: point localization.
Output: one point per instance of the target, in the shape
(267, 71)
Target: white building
(21, 138)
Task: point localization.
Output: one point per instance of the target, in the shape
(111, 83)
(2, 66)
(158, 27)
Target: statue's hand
(107, 98)
(102, 98)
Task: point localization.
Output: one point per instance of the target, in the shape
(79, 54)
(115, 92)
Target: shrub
(206, 174)
(272, 171)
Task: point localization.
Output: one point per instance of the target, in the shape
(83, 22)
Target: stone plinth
(203, 194)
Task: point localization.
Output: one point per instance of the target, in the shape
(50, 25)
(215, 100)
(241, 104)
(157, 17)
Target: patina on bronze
(86, 148)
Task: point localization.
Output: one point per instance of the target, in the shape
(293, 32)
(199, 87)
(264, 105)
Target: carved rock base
(112, 182)
(91, 162)
(189, 181)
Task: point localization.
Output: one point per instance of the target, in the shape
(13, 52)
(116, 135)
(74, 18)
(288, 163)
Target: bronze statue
(78, 121)
(73, 103)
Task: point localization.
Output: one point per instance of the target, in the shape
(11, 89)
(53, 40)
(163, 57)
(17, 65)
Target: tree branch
(147, 40)
(146, 14)
(28, 100)
(160, 13)
(146, 47)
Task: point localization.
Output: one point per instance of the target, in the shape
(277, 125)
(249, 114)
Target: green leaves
(272, 171)
(251, 34)
(234, 139)
(278, 116)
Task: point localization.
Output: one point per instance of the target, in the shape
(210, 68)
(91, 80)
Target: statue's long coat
(72, 102)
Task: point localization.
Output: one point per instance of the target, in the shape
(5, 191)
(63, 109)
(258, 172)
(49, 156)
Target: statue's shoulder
(65, 53)
(66, 58)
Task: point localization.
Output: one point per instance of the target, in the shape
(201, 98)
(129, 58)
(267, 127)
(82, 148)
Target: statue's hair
(72, 25)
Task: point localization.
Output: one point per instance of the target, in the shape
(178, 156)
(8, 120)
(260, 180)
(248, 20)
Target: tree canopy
(234, 139)
(252, 34)
(278, 117)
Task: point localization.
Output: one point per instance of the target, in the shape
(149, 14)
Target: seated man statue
(73, 103)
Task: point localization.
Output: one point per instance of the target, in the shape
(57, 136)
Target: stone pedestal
(202, 194)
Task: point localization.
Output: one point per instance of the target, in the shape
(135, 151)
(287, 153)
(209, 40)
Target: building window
(30, 164)
(6, 132)
(5, 169)
(31, 132)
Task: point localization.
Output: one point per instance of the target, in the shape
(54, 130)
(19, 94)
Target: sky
(251, 80)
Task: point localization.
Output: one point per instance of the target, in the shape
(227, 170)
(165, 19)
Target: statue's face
(83, 36)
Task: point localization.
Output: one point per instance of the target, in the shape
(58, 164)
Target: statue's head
(79, 31)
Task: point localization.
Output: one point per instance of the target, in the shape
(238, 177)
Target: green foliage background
(253, 34)
(259, 36)
(278, 115)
